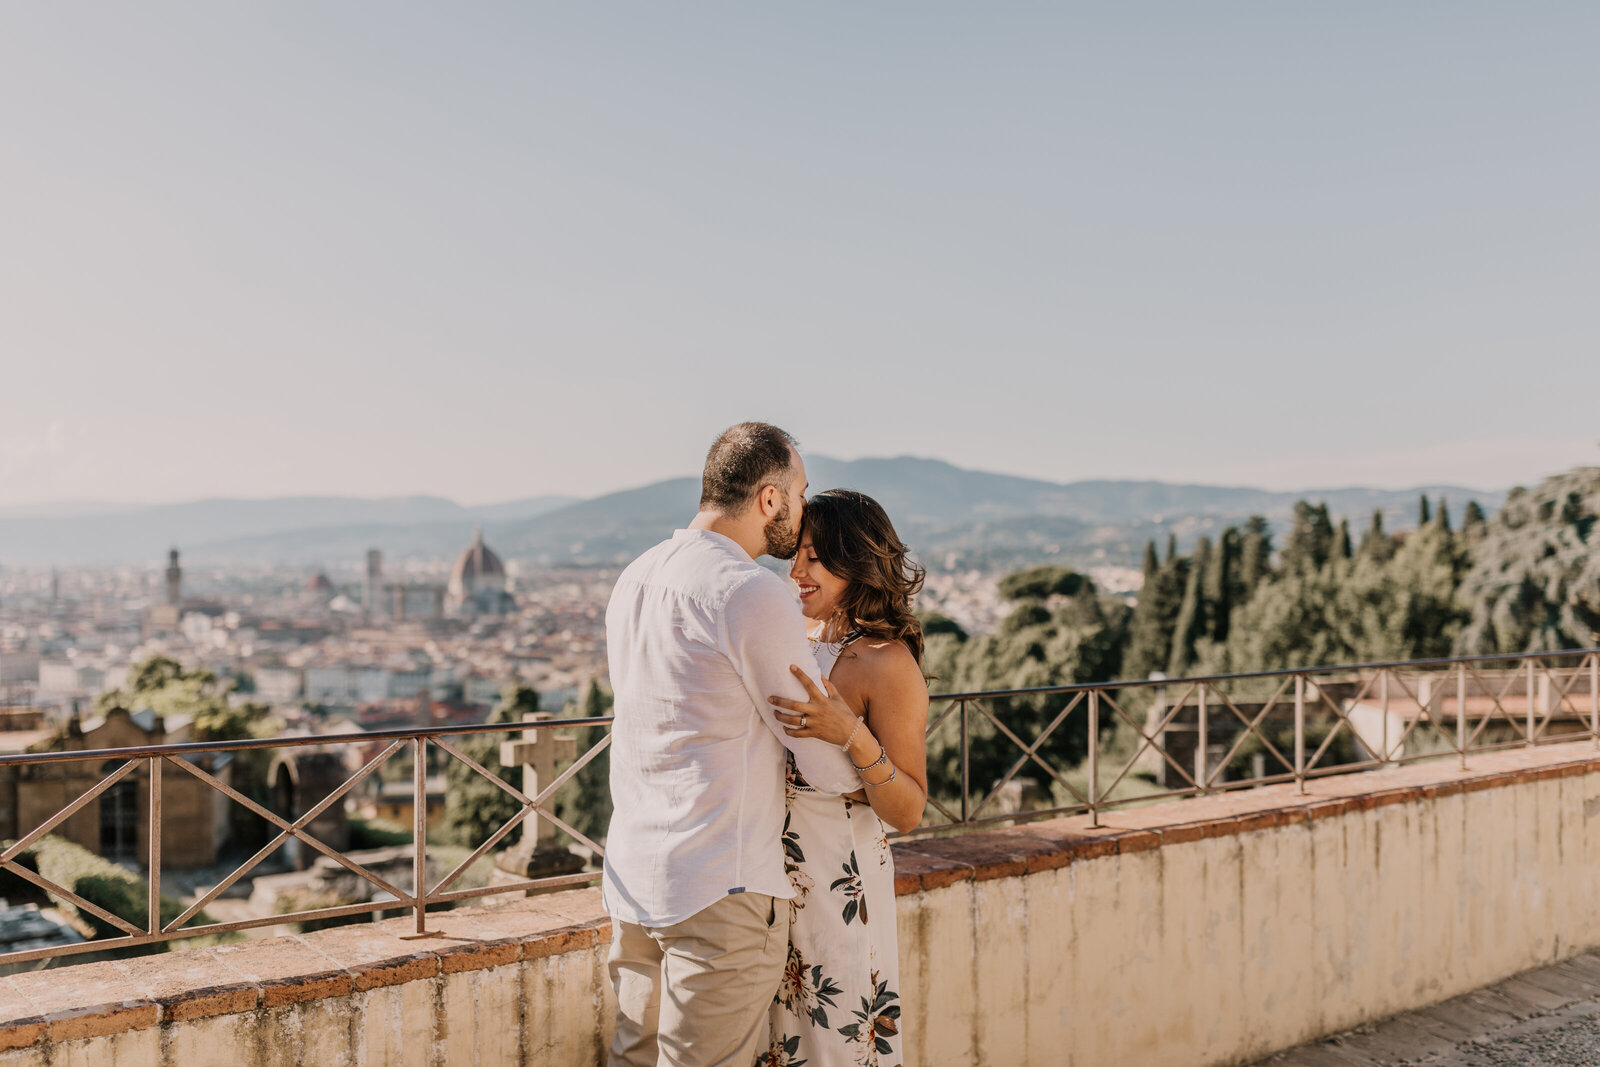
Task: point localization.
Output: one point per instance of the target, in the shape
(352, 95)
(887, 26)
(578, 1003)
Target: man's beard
(783, 537)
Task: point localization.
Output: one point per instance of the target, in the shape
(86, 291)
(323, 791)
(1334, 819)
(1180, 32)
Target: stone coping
(932, 863)
(103, 998)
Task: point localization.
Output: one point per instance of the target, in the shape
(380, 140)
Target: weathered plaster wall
(1209, 931)
(1245, 931)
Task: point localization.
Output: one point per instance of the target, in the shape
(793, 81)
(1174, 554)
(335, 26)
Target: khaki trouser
(697, 992)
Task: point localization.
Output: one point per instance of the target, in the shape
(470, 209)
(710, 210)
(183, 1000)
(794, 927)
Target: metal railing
(157, 760)
(1332, 720)
(1086, 742)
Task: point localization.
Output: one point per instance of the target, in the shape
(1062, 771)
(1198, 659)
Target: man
(699, 635)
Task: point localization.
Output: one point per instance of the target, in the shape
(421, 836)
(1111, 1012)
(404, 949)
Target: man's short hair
(742, 459)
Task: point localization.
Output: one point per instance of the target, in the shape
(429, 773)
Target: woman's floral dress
(839, 1003)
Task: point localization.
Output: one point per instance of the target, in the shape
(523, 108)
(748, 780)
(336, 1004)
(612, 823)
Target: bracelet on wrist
(846, 746)
(893, 770)
(883, 757)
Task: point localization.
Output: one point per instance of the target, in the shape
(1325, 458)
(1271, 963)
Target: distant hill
(958, 518)
(273, 528)
(953, 517)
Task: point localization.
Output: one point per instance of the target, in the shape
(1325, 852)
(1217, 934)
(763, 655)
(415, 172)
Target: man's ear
(767, 500)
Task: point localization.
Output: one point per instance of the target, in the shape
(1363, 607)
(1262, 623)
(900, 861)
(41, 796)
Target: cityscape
(1175, 413)
(340, 648)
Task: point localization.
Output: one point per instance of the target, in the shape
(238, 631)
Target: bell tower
(174, 579)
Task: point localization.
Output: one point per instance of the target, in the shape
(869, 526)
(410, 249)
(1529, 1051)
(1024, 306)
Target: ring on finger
(802, 720)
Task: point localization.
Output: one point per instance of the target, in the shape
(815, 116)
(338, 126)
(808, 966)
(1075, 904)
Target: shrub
(102, 883)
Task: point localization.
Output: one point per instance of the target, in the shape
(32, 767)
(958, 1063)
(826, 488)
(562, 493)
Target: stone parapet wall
(1218, 930)
(520, 983)
(1206, 931)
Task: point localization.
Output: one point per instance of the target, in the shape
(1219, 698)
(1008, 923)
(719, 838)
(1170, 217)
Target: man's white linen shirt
(699, 636)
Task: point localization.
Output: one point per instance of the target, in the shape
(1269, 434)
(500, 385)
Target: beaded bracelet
(846, 746)
(883, 757)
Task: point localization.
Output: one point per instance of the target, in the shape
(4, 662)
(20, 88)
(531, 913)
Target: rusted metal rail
(1432, 699)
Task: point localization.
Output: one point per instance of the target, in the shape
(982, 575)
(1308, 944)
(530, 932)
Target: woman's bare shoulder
(886, 662)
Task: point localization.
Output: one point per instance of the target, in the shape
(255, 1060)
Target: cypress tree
(475, 807)
(1191, 619)
(585, 801)
(1150, 631)
(1377, 544)
(1443, 518)
(1221, 584)
(1310, 539)
(1172, 547)
(1255, 555)
(1151, 565)
(1341, 541)
(1424, 511)
(1473, 523)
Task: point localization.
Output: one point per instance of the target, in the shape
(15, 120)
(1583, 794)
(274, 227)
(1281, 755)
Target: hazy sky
(495, 250)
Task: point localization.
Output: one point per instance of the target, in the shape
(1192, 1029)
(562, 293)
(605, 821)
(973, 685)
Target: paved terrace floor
(1548, 1017)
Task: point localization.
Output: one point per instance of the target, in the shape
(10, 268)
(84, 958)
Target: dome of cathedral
(476, 568)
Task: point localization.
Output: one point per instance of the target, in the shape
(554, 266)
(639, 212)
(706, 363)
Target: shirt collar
(722, 540)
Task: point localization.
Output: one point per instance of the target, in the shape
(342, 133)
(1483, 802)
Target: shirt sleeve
(766, 633)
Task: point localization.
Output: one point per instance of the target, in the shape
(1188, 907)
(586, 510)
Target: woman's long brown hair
(854, 540)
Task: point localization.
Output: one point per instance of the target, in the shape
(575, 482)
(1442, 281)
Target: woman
(840, 1002)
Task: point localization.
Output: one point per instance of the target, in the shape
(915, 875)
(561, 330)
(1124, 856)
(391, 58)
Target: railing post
(1594, 698)
(419, 830)
(1300, 731)
(1461, 712)
(1200, 760)
(965, 771)
(155, 845)
(1094, 757)
(1383, 696)
(1528, 740)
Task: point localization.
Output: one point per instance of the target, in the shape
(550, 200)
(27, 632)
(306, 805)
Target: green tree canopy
(1040, 583)
(475, 807)
(1535, 580)
(1310, 540)
(1081, 640)
(166, 687)
(1155, 617)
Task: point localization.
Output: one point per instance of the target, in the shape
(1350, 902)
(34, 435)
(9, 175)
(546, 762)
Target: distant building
(396, 802)
(334, 686)
(174, 580)
(482, 690)
(115, 824)
(168, 617)
(299, 779)
(198, 821)
(279, 685)
(372, 589)
(416, 600)
(478, 584)
(18, 667)
(65, 678)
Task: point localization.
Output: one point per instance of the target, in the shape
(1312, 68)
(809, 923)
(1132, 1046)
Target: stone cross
(538, 751)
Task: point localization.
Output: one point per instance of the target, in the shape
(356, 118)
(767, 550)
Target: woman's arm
(888, 746)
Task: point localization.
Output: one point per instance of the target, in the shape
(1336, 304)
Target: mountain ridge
(983, 518)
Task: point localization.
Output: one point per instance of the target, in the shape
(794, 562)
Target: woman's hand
(824, 715)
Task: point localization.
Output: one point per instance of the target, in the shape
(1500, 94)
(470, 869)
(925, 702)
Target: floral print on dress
(850, 885)
(805, 991)
(794, 858)
(781, 1054)
(839, 1003)
(877, 1021)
